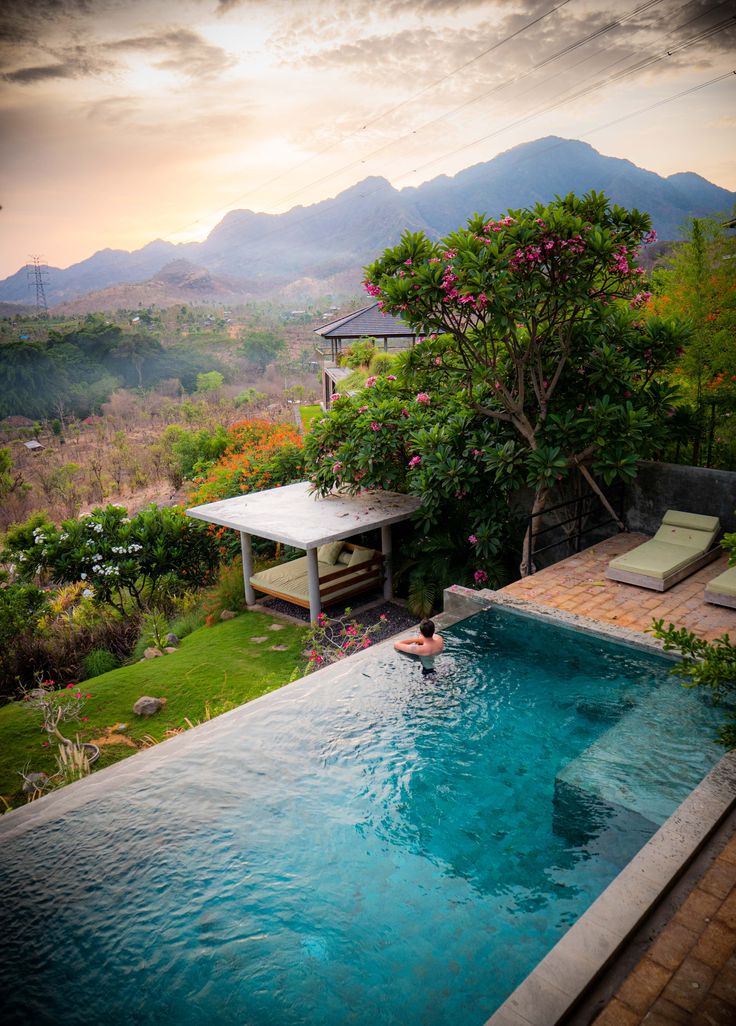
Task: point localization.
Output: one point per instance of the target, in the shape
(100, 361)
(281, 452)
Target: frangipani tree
(534, 319)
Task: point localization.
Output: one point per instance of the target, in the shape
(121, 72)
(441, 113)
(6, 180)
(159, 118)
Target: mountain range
(251, 254)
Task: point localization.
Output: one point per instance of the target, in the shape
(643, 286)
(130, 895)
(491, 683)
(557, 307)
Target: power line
(276, 229)
(480, 96)
(640, 66)
(392, 110)
(642, 8)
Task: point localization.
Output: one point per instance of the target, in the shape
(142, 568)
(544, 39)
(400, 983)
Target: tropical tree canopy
(530, 332)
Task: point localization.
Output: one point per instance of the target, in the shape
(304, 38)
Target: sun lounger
(684, 543)
(721, 591)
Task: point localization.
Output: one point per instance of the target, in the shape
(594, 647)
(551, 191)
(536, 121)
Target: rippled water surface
(386, 848)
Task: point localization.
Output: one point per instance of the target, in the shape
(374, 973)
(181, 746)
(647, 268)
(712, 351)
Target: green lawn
(215, 669)
(310, 413)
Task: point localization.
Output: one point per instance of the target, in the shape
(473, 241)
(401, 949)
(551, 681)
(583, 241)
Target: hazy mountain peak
(338, 235)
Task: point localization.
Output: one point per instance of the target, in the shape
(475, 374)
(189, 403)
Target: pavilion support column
(246, 549)
(388, 561)
(315, 607)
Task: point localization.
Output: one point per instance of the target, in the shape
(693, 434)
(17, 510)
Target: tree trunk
(607, 505)
(535, 523)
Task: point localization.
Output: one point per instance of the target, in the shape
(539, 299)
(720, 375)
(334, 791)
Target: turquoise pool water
(388, 848)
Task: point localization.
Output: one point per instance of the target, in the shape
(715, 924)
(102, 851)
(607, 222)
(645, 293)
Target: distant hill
(249, 254)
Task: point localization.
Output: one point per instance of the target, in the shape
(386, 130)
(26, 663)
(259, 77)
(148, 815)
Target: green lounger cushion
(685, 538)
(694, 521)
(724, 584)
(655, 559)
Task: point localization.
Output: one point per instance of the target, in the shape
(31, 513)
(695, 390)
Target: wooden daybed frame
(364, 577)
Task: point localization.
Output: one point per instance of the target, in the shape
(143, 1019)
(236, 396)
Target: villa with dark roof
(369, 322)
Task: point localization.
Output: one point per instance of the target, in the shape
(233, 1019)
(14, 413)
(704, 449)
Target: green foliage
(145, 559)
(260, 455)
(262, 347)
(99, 661)
(76, 370)
(460, 465)
(705, 664)
(10, 480)
(698, 287)
(381, 363)
(192, 452)
(210, 382)
(21, 608)
(154, 628)
(187, 620)
(356, 379)
(227, 593)
(248, 397)
(359, 353)
(531, 343)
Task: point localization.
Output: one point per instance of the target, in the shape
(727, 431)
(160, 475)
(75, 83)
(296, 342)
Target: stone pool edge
(555, 987)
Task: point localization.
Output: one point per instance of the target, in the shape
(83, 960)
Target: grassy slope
(219, 667)
(310, 413)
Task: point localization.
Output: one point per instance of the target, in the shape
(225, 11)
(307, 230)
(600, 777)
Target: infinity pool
(386, 847)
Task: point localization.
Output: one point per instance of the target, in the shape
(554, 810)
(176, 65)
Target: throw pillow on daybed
(360, 556)
(328, 553)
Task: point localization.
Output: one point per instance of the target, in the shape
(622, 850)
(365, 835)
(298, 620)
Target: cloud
(113, 110)
(41, 73)
(22, 20)
(68, 63)
(182, 49)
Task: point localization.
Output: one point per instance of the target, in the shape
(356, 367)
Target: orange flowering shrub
(259, 455)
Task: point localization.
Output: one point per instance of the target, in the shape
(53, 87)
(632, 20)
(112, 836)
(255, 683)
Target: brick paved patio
(579, 585)
(688, 975)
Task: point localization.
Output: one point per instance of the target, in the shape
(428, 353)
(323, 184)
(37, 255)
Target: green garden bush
(99, 661)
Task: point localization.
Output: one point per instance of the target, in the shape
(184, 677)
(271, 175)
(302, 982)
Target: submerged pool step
(630, 766)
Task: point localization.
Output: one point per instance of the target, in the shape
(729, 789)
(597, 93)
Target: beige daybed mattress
(291, 579)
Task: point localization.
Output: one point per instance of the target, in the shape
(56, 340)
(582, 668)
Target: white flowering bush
(121, 560)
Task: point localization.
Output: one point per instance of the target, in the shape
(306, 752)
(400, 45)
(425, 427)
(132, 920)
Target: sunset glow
(124, 123)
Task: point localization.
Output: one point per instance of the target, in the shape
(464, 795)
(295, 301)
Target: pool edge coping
(557, 984)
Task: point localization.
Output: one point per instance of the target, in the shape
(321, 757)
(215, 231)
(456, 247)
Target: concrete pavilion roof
(294, 516)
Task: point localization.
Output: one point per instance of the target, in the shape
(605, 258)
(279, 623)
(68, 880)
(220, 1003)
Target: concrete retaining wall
(662, 486)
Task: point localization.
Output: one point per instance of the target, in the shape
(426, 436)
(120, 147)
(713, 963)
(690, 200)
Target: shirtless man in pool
(425, 645)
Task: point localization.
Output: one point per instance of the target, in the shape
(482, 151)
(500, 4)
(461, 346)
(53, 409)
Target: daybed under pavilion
(294, 516)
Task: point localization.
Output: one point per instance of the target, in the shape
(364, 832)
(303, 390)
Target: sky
(122, 121)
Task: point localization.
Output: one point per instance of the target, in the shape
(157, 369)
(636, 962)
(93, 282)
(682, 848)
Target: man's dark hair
(426, 628)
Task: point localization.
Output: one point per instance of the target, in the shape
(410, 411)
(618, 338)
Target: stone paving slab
(578, 585)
